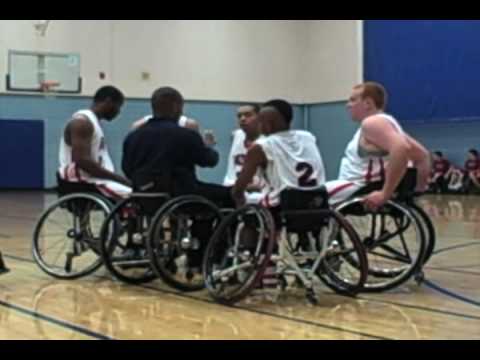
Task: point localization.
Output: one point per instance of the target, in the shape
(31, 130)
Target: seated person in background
(472, 165)
(161, 156)
(454, 178)
(379, 139)
(184, 121)
(84, 155)
(475, 182)
(440, 166)
(243, 139)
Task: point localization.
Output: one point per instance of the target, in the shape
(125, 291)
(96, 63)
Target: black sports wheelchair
(138, 238)
(154, 234)
(66, 238)
(305, 239)
(399, 237)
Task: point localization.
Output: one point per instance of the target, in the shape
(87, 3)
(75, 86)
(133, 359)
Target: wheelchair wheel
(238, 253)
(343, 247)
(394, 240)
(174, 247)
(66, 239)
(428, 229)
(123, 242)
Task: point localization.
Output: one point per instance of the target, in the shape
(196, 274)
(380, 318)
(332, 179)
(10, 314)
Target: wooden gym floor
(36, 306)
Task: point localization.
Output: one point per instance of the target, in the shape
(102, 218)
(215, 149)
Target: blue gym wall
(332, 126)
(430, 69)
(22, 153)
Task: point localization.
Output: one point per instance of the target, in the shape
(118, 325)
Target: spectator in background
(472, 165)
(454, 178)
(438, 181)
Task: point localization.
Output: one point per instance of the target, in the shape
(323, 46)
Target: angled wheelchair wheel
(66, 239)
(428, 229)
(394, 241)
(123, 242)
(344, 266)
(177, 239)
(238, 253)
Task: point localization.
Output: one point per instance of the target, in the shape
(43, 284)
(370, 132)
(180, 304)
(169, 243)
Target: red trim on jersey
(368, 176)
(108, 192)
(265, 201)
(382, 170)
(373, 176)
(339, 188)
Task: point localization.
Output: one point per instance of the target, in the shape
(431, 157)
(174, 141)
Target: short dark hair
(473, 152)
(254, 106)
(438, 153)
(164, 97)
(283, 107)
(108, 92)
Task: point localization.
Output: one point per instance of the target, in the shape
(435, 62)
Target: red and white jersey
(359, 166)
(99, 153)
(236, 159)
(293, 161)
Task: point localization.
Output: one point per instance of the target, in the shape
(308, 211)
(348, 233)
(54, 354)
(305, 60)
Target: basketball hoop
(41, 26)
(48, 86)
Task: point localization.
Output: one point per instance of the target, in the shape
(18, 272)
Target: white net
(48, 88)
(41, 27)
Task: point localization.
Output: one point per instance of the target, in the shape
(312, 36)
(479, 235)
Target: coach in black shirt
(161, 155)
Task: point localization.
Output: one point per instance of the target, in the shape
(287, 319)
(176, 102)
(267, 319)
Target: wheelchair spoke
(59, 253)
(54, 244)
(399, 256)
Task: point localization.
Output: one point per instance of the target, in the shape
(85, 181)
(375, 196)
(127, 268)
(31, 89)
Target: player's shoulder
(238, 133)
(304, 134)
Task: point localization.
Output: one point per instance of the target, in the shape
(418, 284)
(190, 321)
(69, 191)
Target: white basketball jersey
(99, 153)
(364, 168)
(236, 159)
(182, 121)
(293, 161)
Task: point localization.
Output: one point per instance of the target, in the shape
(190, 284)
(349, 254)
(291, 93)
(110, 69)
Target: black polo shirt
(162, 147)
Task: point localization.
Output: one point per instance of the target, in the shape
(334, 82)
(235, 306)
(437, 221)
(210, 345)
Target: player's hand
(375, 200)
(209, 138)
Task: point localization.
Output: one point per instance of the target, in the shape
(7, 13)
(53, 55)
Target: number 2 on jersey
(305, 179)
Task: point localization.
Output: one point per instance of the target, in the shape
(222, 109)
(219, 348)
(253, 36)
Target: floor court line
(266, 313)
(361, 297)
(52, 320)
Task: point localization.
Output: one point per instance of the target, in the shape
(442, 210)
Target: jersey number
(306, 170)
